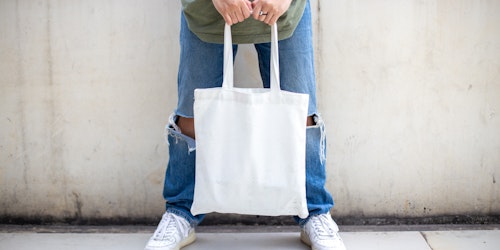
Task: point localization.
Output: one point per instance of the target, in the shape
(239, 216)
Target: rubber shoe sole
(187, 241)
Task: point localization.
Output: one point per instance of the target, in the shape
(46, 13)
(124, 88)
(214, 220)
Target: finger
(248, 10)
(256, 12)
(240, 17)
(263, 15)
(227, 19)
(249, 6)
(243, 14)
(268, 18)
(233, 19)
(255, 3)
(273, 20)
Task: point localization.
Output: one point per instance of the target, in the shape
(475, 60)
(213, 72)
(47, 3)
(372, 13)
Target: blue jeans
(201, 67)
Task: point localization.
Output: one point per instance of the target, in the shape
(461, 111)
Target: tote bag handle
(228, 78)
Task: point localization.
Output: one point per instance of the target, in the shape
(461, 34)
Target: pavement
(426, 237)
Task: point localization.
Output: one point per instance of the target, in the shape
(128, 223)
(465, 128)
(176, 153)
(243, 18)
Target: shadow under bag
(250, 145)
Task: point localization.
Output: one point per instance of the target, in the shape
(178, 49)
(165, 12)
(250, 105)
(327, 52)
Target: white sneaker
(322, 233)
(173, 233)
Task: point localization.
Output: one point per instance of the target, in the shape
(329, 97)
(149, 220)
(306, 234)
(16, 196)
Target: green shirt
(206, 22)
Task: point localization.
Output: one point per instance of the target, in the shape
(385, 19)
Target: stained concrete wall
(410, 91)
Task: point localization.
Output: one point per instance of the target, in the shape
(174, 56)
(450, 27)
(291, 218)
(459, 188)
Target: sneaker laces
(324, 227)
(170, 229)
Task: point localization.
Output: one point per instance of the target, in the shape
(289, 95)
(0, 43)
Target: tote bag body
(250, 146)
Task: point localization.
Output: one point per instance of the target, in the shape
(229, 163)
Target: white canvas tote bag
(250, 145)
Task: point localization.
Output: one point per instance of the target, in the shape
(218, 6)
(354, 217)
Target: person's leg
(178, 188)
(200, 66)
(297, 75)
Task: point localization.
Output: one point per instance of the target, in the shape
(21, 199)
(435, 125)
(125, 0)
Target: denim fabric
(178, 189)
(319, 200)
(201, 67)
(201, 64)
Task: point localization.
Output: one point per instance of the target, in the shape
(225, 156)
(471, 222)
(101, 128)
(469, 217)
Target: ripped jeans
(178, 190)
(201, 67)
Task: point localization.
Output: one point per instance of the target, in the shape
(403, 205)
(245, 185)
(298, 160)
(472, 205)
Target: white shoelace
(171, 228)
(323, 227)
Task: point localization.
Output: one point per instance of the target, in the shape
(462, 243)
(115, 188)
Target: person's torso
(206, 22)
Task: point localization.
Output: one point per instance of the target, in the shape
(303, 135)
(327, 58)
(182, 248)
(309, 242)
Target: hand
(268, 11)
(233, 11)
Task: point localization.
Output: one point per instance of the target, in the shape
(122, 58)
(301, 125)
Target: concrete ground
(438, 237)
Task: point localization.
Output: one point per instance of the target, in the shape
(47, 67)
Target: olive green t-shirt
(204, 20)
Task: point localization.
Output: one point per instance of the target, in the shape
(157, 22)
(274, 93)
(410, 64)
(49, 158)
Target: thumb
(254, 3)
(249, 5)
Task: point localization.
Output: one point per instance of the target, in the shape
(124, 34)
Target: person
(201, 66)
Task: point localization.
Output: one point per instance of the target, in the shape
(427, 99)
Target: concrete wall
(410, 91)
